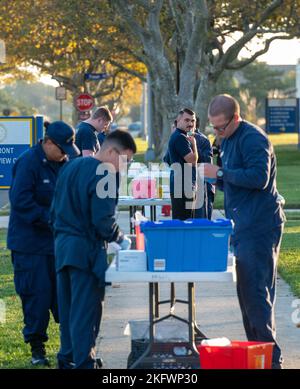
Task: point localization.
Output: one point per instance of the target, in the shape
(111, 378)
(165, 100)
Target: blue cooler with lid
(187, 246)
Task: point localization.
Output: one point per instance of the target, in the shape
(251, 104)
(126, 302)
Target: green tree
(252, 84)
(66, 40)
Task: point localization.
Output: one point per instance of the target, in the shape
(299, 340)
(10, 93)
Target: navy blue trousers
(80, 302)
(256, 265)
(35, 283)
(210, 203)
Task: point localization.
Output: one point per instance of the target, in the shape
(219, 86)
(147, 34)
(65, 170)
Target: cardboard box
(131, 260)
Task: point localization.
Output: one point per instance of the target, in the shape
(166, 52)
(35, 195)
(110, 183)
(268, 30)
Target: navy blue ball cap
(63, 136)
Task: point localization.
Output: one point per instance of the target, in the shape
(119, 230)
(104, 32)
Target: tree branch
(127, 70)
(233, 51)
(247, 61)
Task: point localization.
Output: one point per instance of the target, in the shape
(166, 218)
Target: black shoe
(65, 365)
(277, 366)
(38, 353)
(99, 363)
(39, 359)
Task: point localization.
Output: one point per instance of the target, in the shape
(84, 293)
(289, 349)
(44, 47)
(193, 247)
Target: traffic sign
(84, 102)
(95, 76)
(83, 116)
(60, 93)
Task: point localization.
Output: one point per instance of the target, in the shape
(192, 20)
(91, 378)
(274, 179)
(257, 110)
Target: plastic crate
(239, 355)
(190, 245)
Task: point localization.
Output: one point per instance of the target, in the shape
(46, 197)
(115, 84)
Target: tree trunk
(206, 90)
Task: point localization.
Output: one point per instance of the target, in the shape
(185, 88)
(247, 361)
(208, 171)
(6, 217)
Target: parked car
(135, 129)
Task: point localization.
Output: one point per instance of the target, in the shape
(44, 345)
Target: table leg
(191, 311)
(151, 312)
(156, 297)
(196, 333)
(130, 222)
(172, 297)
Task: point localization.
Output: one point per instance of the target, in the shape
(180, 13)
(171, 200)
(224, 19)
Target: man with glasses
(83, 216)
(248, 178)
(91, 130)
(30, 238)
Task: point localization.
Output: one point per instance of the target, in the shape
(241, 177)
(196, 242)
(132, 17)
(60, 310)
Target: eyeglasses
(123, 156)
(222, 129)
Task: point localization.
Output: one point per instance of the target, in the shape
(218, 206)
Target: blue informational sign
(17, 134)
(282, 115)
(95, 76)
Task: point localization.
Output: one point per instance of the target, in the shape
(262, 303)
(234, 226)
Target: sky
(281, 52)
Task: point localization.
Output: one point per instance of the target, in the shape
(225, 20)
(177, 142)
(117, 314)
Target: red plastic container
(140, 241)
(166, 210)
(239, 355)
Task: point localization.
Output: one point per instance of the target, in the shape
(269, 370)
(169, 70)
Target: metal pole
(60, 110)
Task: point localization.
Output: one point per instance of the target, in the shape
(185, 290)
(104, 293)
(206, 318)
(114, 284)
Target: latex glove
(125, 244)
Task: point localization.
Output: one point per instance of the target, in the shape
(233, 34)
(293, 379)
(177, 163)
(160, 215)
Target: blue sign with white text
(17, 134)
(282, 115)
(95, 76)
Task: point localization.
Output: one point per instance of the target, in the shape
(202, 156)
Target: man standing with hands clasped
(248, 179)
(183, 156)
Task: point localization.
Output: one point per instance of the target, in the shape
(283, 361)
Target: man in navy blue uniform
(83, 216)
(183, 152)
(88, 131)
(248, 178)
(204, 155)
(29, 237)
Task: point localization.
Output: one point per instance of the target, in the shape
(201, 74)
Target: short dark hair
(121, 139)
(223, 104)
(103, 112)
(186, 110)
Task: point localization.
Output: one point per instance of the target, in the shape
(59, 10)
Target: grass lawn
(289, 261)
(13, 352)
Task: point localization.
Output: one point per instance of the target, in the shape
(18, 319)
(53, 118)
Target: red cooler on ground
(239, 355)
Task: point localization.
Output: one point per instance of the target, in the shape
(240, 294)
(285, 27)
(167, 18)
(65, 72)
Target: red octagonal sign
(84, 102)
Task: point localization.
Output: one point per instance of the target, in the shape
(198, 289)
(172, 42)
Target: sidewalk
(217, 312)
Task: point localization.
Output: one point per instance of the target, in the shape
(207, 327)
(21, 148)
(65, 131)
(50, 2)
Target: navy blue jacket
(205, 153)
(101, 137)
(249, 181)
(204, 148)
(82, 220)
(30, 195)
(86, 137)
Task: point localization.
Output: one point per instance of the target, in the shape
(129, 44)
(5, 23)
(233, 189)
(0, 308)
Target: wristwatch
(220, 173)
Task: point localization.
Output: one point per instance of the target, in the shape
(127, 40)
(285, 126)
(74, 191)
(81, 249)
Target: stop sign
(84, 102)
